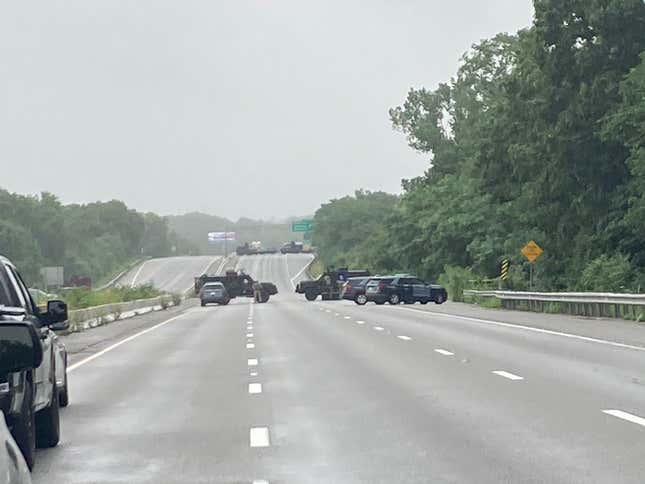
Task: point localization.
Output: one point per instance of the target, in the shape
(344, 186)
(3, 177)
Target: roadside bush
(455, 279)
(80, 298)
(608, 273)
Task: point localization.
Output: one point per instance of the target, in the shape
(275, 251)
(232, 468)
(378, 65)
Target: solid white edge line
(134, 279)
(259, 437)
(626, 416)
(509, 375)
(255, 388)
(444, 352)
(404, 338)
(123, 341)
(293, 286)
(530, 328)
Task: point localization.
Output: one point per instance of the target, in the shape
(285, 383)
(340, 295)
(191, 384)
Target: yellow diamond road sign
(532, 251)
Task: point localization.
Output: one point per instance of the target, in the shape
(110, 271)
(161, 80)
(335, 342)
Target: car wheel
(24, 428)
(311, 295)
(63, 393)
(439, 299)
(394, 299)
(361, 299)
(424, 301)
(48, 423)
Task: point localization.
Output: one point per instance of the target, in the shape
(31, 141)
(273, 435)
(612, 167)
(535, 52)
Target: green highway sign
(302, 226)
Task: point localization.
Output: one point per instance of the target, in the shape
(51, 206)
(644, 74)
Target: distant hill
(195, 226)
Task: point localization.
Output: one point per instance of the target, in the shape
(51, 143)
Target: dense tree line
(541, 135)
(91, 240)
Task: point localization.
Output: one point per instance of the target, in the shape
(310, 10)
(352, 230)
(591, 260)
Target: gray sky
(253, 108)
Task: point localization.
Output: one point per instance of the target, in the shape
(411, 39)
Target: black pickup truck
(239, 284)
(329, 284)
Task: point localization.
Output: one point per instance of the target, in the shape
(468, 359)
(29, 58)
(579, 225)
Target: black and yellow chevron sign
(504, 273)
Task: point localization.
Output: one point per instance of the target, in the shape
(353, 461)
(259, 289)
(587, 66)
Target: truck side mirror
(57, 315)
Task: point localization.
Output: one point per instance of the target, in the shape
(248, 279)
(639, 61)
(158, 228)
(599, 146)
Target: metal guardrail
(581, 303)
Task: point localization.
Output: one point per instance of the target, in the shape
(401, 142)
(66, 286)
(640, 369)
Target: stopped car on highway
(239, 284)
(30, 398)
(330, 283)
(214, 292)
(354, 290)
(404, 288)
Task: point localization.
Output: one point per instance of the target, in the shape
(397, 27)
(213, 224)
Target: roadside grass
(316, 269)
(80, 298)
(488, 302)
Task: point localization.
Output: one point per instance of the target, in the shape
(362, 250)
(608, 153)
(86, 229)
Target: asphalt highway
(173, 274)
(298, 392)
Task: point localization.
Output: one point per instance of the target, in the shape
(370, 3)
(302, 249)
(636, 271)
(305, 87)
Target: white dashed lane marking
(252, 362)
(255, 388)
(250, 346)
(506, 374)
(348, 317)
(254, 373)
(360, 322)
(444, 352)
(259, 437)
(626, 416)
(404, 338)
(249, 335)
(378, 328)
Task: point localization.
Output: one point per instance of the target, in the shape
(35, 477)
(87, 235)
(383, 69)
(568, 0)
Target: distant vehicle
(13, 468)
(292, 248)
(404, 288)
(354, 290)
(30, 398)
(239, 284)
(329, 284)
(214, 292)
(254, 248)
(245, 249)
(80, 281)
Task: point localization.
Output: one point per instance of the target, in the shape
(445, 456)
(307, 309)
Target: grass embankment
(316, 268)
(80, 298)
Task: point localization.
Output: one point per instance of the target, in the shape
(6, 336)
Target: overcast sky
(257, 108)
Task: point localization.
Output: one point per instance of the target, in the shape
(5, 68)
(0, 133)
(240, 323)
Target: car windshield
(153, 152)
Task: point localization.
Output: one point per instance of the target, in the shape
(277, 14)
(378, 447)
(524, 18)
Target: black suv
(404, 288)
(354, 290)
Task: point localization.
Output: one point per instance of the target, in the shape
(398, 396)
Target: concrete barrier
(83, 319)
